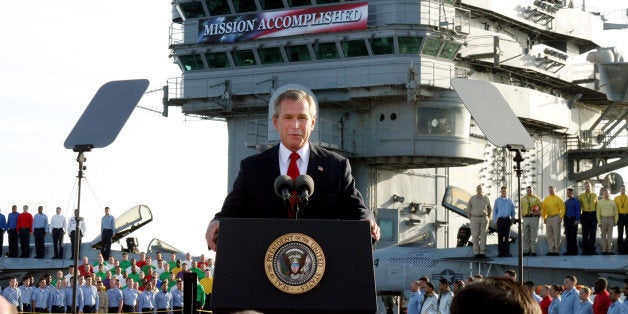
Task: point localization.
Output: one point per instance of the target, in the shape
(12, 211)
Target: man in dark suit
(253, 196)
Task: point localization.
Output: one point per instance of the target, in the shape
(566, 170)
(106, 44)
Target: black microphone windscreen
(304, 182)
(283, 182)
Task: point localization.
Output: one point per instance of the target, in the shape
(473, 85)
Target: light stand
(81, 149)
(517, 149)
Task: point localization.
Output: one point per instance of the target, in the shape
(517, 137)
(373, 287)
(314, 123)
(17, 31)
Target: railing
(444, 15)
(438, 74)
(176, 34)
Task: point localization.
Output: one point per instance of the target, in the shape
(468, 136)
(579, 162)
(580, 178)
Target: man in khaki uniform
(588, 220)
(553, 210)
(607, 216)
(530, 211)
(479, 212)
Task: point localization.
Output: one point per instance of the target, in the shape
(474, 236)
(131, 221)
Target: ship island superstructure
(381, 72)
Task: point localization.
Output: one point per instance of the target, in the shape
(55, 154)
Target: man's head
(25, 208)
(415, 286)
(129, 283)
(179, 284)
(294, 118)
(429, 287)
(570, 193)
(570, 282)
(622, 189)
(42, 283)
(85, 260)
(58, 210)
(71, 269)
(584, 293)
(587, 187)
(14, 208)
(40, 209)
(443, 285)
(173, 256)
(510, 274)
(107, 211)
(164, 285)
(59, 274)
(529, 286)
(544, 291)
(502, 191)
(600, 284)
(606, 193)
(494, 295)
(614, 293)
(551, 190)
(210, 262)
(478, 189)
(13, 282)
(529, 190)
(458, 285)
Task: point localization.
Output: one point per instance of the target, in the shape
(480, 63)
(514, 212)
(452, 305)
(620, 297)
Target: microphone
(283, 187)
(304, 186)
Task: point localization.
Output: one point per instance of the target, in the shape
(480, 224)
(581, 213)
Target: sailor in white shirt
(445, 298)
(71, 228)
(57, 229)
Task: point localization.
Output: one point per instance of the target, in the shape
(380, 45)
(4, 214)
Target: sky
(54, 57)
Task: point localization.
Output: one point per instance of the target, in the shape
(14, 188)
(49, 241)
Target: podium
(294, 266)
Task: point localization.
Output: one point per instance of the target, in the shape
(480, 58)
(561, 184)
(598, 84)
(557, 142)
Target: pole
(518, 159)
(77, 238)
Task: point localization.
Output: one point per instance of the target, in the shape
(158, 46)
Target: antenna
(98, 127)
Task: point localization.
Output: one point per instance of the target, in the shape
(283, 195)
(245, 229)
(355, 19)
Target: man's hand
(374, 229)
(211, 235)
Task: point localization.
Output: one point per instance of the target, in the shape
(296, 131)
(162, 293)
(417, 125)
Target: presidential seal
(294, 263)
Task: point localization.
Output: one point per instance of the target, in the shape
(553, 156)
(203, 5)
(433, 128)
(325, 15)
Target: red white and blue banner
(336, 18)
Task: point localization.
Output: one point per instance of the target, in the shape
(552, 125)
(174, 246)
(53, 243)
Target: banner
(336, 18)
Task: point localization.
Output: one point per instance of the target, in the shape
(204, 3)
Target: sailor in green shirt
(125, 262)
(607, 215)
(588, 219)
(199, 272)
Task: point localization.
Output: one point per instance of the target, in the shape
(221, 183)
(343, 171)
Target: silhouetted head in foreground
(494, 295)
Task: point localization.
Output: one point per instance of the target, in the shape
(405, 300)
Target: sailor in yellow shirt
(530, 211)
(208, 283)
(553, 210)
(622, 223)
(588, 220)
(607, 217)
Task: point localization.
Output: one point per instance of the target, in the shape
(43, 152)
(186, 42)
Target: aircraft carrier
(381, 72)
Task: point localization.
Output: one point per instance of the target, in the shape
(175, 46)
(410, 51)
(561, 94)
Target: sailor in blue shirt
(57, 298)
(569, 298)
(163, 298)
(616, 305)
(40, 225)
(12, 230)
(414, 303)
(26, 291)
(68, 297)
(107, 228)
(177, 296)
(13, 294)
(90, 297)
(585, 306)
(114, 295)
(39, 297)
(571, 221)
(146, 300)
(503, 215)
(3, 228)
(129, 296)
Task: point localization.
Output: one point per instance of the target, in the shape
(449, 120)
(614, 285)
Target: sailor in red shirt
(546, 301)
(85, 269)
(602, 300)
(24, 229)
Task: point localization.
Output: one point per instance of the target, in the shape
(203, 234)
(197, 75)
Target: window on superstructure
(354, 48)
(218, 7)
(449, 50)
(442, 121)
(217, 60)
(270, 55)
(299, 3)
(191, 62)
(386, 227)
(298, 53)
(431, 47)
(382, 46)
(326, 51)
(192, 10)
(243, 58)
(271, 4)
(409, 45)
(241, 6)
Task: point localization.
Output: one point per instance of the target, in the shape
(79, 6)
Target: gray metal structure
(386, 101)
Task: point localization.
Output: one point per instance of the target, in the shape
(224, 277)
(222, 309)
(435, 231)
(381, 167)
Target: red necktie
(293, 172)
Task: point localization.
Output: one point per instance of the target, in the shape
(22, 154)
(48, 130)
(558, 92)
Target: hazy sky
(54, 57)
